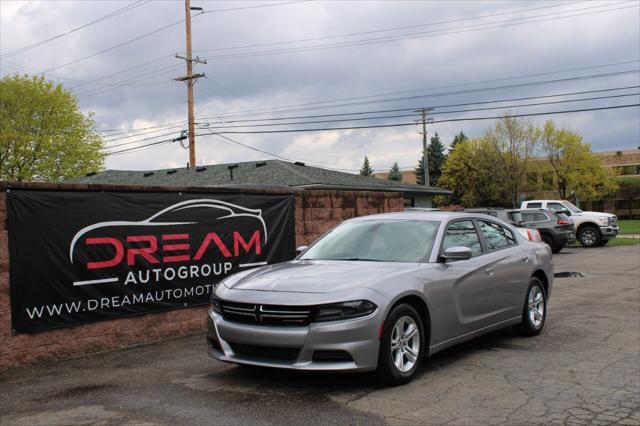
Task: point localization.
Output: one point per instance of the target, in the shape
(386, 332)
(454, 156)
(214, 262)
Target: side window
(541, 217)
(462, 234)
(534, 205)
(556, 206)
(528, 217)
(496, 235)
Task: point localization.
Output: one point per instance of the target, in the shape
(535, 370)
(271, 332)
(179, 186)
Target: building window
(630, 169)
(627, 204)
(409, 202)
(597, 206)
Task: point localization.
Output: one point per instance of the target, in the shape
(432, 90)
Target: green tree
(435, 159)
(515, 141)
(366, 169)
(460, 137)
(419, 170)
(577, 170)
(394, 173)
(43, 134)
(475, 173)
(629, 190)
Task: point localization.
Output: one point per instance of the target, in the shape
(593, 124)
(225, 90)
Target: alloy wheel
(588, 237)
(536, 306)
(405, 343)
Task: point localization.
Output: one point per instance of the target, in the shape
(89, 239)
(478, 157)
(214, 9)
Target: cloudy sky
(287, 59)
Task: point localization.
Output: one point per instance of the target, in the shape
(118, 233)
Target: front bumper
(609, 232)
(349, 345)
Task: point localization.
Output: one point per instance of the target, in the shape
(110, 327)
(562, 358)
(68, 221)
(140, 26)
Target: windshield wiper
(362, 259)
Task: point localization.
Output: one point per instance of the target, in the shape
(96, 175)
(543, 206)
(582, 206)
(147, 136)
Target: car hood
(594, 214)
(317, 276)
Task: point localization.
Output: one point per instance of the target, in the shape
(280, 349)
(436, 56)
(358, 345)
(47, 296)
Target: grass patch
(629, 226)
(623, 242)
(614, 242)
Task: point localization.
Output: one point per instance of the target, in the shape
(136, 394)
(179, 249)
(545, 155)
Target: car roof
(437, 215)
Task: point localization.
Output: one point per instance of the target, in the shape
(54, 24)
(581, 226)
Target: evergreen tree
(460, 137)
(419, 171)
(366, 169)
(435, 158)
(394, 173)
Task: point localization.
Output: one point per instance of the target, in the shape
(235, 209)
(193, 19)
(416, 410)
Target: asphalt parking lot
(583, 368)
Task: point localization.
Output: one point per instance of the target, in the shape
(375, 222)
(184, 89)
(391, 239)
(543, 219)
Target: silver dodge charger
(382, 292)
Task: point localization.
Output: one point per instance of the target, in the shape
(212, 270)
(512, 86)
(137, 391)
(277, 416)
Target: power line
(450, 120)
(319, 38)
(157, 30)
(142, 140)
(427, 34)
(109, 15)
(141, 133)
(124, 43)
(377, 126)
(258, 6)
(434, 106)
(130, 81)
(373, 118)
(428, 95)
(84, 83)
(431, 113)
(248, 46)
(275, 109)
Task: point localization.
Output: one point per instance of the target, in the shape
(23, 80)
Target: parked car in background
(382, 292)
(554, 227)
(593, 229)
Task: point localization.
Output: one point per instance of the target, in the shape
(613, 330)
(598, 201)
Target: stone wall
(316, 212)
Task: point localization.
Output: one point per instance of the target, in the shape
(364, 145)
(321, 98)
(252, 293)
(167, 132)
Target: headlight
(604, 221)
(344, 310)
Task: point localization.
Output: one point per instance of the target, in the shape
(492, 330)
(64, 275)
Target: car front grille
(266, 314)
(265, 352)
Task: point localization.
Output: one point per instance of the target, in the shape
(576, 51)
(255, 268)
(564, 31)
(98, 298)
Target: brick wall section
(316, 211)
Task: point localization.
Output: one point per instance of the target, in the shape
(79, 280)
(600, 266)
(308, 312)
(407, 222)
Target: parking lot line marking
(246, 265)
(89, 282)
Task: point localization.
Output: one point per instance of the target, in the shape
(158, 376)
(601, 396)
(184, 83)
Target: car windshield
(571, 207)
(377, 240)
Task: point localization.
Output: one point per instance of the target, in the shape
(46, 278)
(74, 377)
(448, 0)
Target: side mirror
(453, 254)
(567, 212)
(300, 249)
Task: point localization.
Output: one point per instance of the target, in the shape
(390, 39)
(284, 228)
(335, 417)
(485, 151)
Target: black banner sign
(83, 256)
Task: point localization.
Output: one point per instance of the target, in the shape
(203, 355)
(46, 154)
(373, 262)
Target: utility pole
(425, 157)
(190, 79)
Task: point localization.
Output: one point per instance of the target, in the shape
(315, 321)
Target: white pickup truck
(593, 229)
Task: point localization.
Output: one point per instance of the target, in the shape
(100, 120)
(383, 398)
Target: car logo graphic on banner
(163, 237)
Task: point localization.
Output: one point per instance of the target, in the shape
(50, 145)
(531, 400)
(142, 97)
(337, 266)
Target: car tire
(603, 243)
(534, 312)
(400, 355)
(589, 236)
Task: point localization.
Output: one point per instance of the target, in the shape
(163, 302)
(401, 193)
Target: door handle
(525, 258)
(490, 271)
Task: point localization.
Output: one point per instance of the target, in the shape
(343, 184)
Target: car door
(508, 269)
(469, 303)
